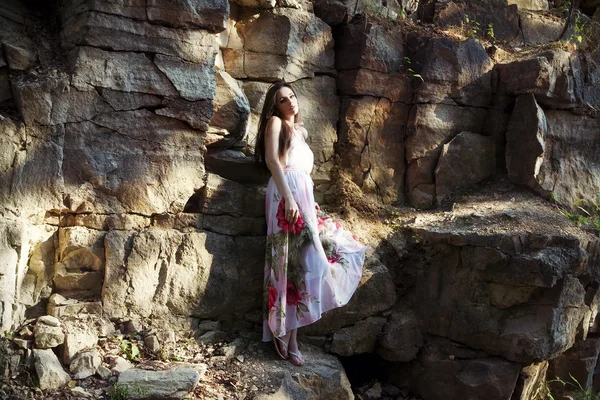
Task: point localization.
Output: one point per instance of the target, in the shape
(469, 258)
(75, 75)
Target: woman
(312, 265)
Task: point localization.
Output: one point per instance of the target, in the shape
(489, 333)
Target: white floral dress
(312, 266)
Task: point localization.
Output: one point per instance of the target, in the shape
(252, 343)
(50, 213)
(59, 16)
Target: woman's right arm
(274, 165)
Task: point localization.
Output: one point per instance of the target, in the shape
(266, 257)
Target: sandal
(278, 350)
(298, 357)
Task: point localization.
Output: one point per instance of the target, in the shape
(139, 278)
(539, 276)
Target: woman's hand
(291, 210)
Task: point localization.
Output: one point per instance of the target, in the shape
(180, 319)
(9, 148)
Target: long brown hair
(270, 109)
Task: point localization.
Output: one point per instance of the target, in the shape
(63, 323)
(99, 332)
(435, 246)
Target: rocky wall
(128, 186)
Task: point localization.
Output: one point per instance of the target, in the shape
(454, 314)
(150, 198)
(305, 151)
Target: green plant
(130, 350)
(119, 392)
(578, 31)
(490, 32)
(584, 212)
(577, 391)
(470, 27)
(411, 72)
(122, 391)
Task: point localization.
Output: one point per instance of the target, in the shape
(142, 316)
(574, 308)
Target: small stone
(80, 392)
(151, 342)
(85, 364)
(22, 343)
(26, 333)
(119, 364)
(510, 214)
(208, 337)
(134, 326)
(374, 392)
(208, 325)
(104, 372)
(254, 388)
(240, 358)
(49, 320)
(48, 336)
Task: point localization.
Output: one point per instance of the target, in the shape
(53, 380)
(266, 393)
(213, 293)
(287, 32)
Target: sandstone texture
(458, 139)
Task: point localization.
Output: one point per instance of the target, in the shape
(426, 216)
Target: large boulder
(526, 141)
(466, 160)
(371, 144)
(174, 383)
(160, 273)
(321, 377)
(50, 372)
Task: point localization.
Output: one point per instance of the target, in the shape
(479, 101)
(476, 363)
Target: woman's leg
(283, 343)
(294, 352)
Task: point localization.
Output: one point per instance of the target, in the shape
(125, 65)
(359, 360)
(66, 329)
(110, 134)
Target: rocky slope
(129, 199)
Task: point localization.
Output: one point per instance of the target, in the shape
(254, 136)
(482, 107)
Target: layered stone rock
(455, 73)
(575, 366)
(231, 112)
(466, 160)
(569, 168)
(505, 18)
(401, 338)
(118, 33)
(518, 299)
(541, 29)
(131, 161)
(173, 383)
(456, 369)
(530, 4)
(531, 381)
(430, 126)
(371, 61)
(273, 47)
(548, 76)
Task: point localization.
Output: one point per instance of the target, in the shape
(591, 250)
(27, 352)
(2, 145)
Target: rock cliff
(455, 137)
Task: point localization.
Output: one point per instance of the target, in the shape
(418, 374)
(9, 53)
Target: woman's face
(286, 102)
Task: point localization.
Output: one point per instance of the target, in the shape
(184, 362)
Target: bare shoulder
(274, 125)
(304, 132)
